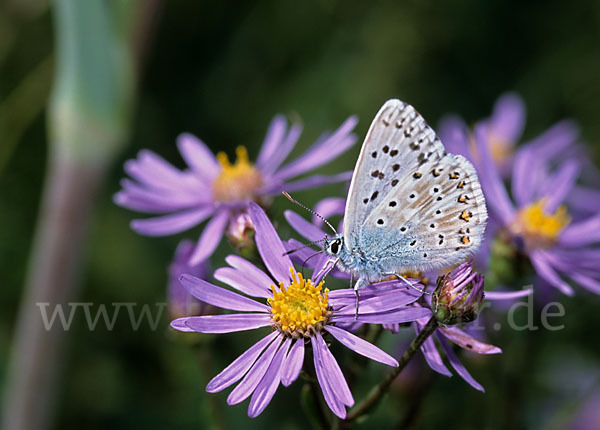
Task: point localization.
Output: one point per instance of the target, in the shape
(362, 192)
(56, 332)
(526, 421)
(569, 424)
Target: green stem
(312, 403)
(377, 393)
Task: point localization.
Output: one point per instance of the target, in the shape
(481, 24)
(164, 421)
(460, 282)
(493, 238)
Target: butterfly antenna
(305, 261)
(293, 200)
(306, 245)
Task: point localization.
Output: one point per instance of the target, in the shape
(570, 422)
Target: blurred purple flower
(213, 188)
(537, 222)
(503, 130)
(299, 312)
(587, 415)
(501, 133)
(180, 302)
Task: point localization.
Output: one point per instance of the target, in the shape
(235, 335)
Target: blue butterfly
(411, 206)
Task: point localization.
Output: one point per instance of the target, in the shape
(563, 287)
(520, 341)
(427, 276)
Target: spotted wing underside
(409, 202)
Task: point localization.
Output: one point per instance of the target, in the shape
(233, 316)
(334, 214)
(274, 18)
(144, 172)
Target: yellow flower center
(300, 309)
(499, 149)
(238, 181)
(540, 229)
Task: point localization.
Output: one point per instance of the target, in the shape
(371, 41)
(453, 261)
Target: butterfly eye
(335, 247)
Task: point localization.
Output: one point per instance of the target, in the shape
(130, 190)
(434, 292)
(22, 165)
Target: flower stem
(377, 392)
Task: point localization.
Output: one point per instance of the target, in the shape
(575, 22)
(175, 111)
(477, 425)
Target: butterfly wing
(415, 207)
(386, 152)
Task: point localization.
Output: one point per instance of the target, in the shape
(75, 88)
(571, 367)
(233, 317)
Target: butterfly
(411, 205)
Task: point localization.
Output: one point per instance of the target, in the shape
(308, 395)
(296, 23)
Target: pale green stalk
(88, 122)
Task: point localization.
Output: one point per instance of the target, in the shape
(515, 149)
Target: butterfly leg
(359, 284)
(406, 281)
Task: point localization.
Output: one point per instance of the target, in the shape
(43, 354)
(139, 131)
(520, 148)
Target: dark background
(222, 70)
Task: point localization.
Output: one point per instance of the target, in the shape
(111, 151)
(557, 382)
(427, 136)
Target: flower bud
(240, 233)
(458, 295)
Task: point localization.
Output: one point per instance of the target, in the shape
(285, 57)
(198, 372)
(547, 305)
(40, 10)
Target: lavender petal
(242, 282)
(293, 363)
(245, 388)
(323, 152)
(508, 118)
(254, 273)
(492, 184)
(469, 343)
(584, 199)
(288, 144)
(180, 325)
(265, 390)
(154, 171)
(303, 227)
(218, 296)
(310, 182)
(581, 233)
(272, 141)
(238, 368)
(400, 316)
(136, 203)
(228, 323)
(331, 396)
(507, 295)
(332, 372)
(374, 290)
(457, 365)
(171, 224)
(453, 131)
(586, 282)
(555, 140)
(161, 201)
(561, 184)
(544, 269)
(197, 155)
(433, 358)
(269, 245)
(210, 237)
(329, 207)
(361, 346)
(383, 302)
(522, 190)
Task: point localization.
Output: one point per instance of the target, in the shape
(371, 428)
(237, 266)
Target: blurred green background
(222, 70)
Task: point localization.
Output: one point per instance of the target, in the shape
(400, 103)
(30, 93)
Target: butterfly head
(333, 246)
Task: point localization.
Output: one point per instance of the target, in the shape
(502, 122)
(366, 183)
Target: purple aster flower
(213, 188)
(502, 131)
(499, 134)
(537, 222)
(300, 313)
(180, 302)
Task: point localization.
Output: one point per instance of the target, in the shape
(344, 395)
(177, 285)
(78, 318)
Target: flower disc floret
(301, 309)
(237, 181)
(539, 228)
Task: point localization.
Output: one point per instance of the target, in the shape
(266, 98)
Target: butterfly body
(411, 206)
